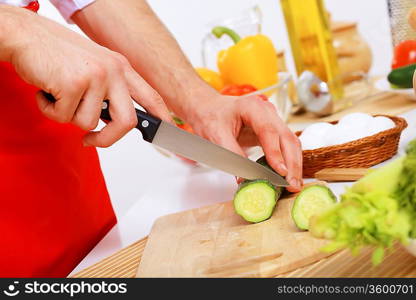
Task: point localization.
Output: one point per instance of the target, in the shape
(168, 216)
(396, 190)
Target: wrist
(14, 23)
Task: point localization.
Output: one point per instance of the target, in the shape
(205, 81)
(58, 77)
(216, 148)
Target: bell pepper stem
(219, 31)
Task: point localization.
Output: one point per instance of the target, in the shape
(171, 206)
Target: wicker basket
(362, 153)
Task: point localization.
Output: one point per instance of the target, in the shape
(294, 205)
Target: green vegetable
(405, 192)
(395, 87)
(378, 210)
(402, 77)
(311, 201)
(376, 180)
(255, 200)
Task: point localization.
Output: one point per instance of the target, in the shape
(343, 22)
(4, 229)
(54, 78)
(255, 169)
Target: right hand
(80, 74)
(238, 122)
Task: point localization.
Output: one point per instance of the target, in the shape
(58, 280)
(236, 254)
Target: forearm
(10, 38)
(131, 28)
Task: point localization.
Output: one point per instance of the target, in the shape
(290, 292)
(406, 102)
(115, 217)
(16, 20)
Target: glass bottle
(311, 42)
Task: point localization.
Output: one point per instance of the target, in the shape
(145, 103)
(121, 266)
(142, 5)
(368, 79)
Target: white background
(134, 169)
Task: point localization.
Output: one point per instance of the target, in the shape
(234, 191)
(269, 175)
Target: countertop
(181, 187)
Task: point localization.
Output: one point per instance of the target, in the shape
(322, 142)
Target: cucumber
(402, 77)
(255, 200)
(279, 190)
(313, 200)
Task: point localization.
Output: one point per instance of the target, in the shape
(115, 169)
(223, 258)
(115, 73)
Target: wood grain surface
(214, 241)
(341, 174)
(398, 263)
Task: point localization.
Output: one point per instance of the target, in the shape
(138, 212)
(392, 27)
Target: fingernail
(295, 183)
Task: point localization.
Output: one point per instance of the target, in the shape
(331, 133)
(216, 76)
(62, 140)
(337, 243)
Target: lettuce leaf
(376, 211)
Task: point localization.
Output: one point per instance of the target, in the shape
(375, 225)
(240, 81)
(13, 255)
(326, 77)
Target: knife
(194, 147)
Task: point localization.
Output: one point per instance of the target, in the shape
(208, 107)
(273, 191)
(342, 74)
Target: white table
(179, 187)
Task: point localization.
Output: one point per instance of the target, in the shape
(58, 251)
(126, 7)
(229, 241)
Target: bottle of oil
(311, 42)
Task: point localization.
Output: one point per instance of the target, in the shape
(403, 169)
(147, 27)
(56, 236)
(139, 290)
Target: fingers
(80, 102)
(292, 153)
(123, 119)
(265, 125)
(88, 112)
(280, 146)
(45, 105)
(146, 96)
(270, 141)
(63, 108)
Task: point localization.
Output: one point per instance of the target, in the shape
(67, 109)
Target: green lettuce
(376, 211)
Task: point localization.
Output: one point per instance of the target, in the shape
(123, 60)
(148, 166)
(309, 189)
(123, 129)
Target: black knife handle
(147, 124)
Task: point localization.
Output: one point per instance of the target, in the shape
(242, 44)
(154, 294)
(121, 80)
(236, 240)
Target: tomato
(231, 90)
(404, 54)
(33, 6)
(240, 90)
(247, 89)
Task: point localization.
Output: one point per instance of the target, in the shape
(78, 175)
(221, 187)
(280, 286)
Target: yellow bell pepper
(252, 60)
(211, 77)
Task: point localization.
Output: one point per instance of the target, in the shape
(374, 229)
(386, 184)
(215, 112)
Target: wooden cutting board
(215, 242)
(398, 263)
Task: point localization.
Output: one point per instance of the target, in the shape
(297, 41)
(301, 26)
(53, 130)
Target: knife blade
(194, 147)
(203, 151)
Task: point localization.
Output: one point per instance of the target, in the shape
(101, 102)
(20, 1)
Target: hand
(80, 74)
(236, 122)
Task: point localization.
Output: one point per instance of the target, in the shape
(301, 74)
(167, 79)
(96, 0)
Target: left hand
(236, 122)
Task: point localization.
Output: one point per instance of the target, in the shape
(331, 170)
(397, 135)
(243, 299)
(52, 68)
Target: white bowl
(384, 85)
(278, 95)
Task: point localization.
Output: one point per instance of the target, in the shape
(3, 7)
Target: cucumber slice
(255, 200)
(311, 201)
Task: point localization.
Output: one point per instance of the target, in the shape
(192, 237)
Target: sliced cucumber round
(313, 200)
(255, 200)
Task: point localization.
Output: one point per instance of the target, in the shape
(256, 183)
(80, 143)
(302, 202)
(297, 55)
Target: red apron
(54, 205)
